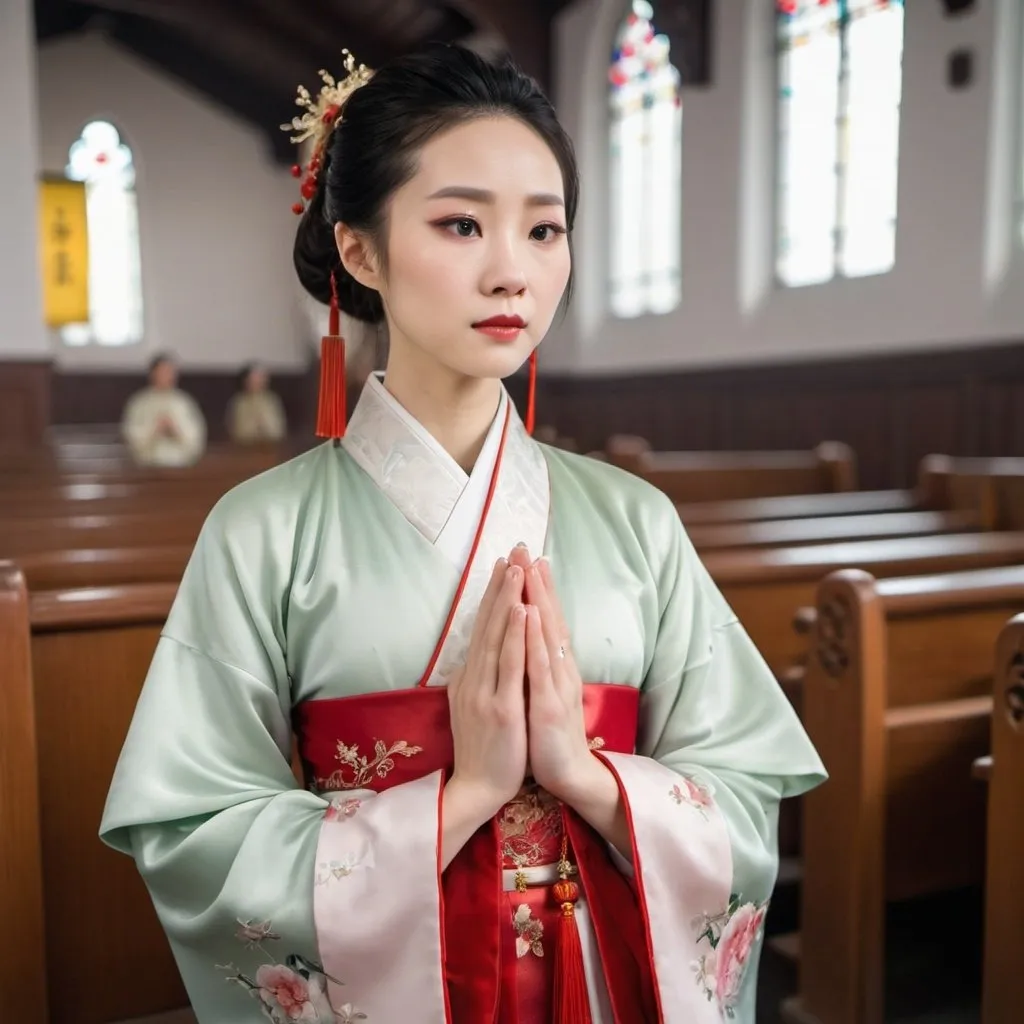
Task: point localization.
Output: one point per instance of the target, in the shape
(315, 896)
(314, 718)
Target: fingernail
(521, 544)
(545, 558)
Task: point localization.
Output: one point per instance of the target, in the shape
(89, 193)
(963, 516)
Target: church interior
(798, 312)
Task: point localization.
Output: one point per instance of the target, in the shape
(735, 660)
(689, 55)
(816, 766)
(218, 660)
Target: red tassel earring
(331, 412)
(531, 394)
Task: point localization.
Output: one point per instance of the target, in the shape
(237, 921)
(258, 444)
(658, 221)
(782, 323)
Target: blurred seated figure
(162, 425)
(255, 413)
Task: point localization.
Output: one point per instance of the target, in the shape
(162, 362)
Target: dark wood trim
(24, 401)
(892, 410)
(82, 398)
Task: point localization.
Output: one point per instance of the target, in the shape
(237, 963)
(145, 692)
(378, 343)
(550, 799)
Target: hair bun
(316, 257)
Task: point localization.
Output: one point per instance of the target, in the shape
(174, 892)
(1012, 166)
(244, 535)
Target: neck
(457, 411)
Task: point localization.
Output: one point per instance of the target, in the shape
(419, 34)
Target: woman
(255, 413)
(539, 788)
(161, 424)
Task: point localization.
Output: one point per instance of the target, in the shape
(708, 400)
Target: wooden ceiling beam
(315, 25)
(226, 34)
(250, 99)
(525, 27)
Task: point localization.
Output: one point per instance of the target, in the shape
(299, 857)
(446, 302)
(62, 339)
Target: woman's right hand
(487, 703)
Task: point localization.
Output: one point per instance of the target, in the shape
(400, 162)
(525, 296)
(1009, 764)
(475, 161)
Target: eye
(463, 227)
(547, 232)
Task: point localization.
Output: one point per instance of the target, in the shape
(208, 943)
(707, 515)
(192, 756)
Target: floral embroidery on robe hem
(732, 936)
(294, 990)
(695, 794)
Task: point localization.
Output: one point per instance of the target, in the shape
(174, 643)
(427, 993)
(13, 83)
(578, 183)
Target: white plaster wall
(216, 226)
(958, 272)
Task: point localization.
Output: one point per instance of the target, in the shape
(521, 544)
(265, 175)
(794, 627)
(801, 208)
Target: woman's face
(479, 232)
(256, 379)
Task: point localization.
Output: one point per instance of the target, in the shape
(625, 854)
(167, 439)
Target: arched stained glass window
(645, 180)
(840, 77)
(101, 160)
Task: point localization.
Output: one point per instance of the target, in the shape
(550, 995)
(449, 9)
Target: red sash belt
(384, 739)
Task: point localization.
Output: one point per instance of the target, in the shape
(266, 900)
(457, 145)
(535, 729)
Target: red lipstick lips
(501, 328)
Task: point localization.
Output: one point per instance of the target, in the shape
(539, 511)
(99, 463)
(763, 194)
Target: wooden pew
(23, 991)
(1002, 996)
(688, 477)
(131, 529)
(766, 587)
(897, 701)
(110, 498)
(994, 488)
(104, 567)
(829, 529)
(90, 651)
(799, 506)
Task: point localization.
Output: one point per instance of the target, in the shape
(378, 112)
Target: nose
(503, 274)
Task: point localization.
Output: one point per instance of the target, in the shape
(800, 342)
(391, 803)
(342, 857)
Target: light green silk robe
(309, 582)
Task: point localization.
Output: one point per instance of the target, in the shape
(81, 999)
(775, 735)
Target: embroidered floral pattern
(531, 828)
(335, 870)
(731, 936)
(357, 770)
(340, 810)
(294, 990)
(529, 932)
(697, 795)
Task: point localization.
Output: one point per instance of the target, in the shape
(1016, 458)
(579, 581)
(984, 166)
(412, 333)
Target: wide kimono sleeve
(277, 903)
(719, 747)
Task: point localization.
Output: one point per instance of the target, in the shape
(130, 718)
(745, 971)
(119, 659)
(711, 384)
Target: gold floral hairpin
(321, 115)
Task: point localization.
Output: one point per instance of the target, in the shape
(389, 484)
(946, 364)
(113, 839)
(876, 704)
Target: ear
(357, 256)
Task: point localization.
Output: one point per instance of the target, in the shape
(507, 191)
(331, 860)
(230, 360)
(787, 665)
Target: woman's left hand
(560, 758)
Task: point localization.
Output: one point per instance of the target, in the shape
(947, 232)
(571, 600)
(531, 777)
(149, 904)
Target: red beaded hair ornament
(322, 114)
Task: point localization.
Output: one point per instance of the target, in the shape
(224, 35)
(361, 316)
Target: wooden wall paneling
(24, 401)
(91, 398)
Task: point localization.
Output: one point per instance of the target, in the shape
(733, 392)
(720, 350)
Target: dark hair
(161, 357)
(243, 374)
(372, 153)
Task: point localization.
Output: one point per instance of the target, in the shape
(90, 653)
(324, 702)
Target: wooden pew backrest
(798, 506)
(103, 567)
(897, 700)
(1004, 878)
(91, 650)
(829, 529)
(766, 587)
(727, 476)
(22, 948)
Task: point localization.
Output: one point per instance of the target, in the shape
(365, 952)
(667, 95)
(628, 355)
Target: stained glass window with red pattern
(645, 171)
(102, 160)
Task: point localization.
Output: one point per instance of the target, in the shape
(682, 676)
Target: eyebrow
(482, 195)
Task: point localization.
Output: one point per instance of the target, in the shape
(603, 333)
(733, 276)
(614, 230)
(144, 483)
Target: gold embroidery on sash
(357, 770)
